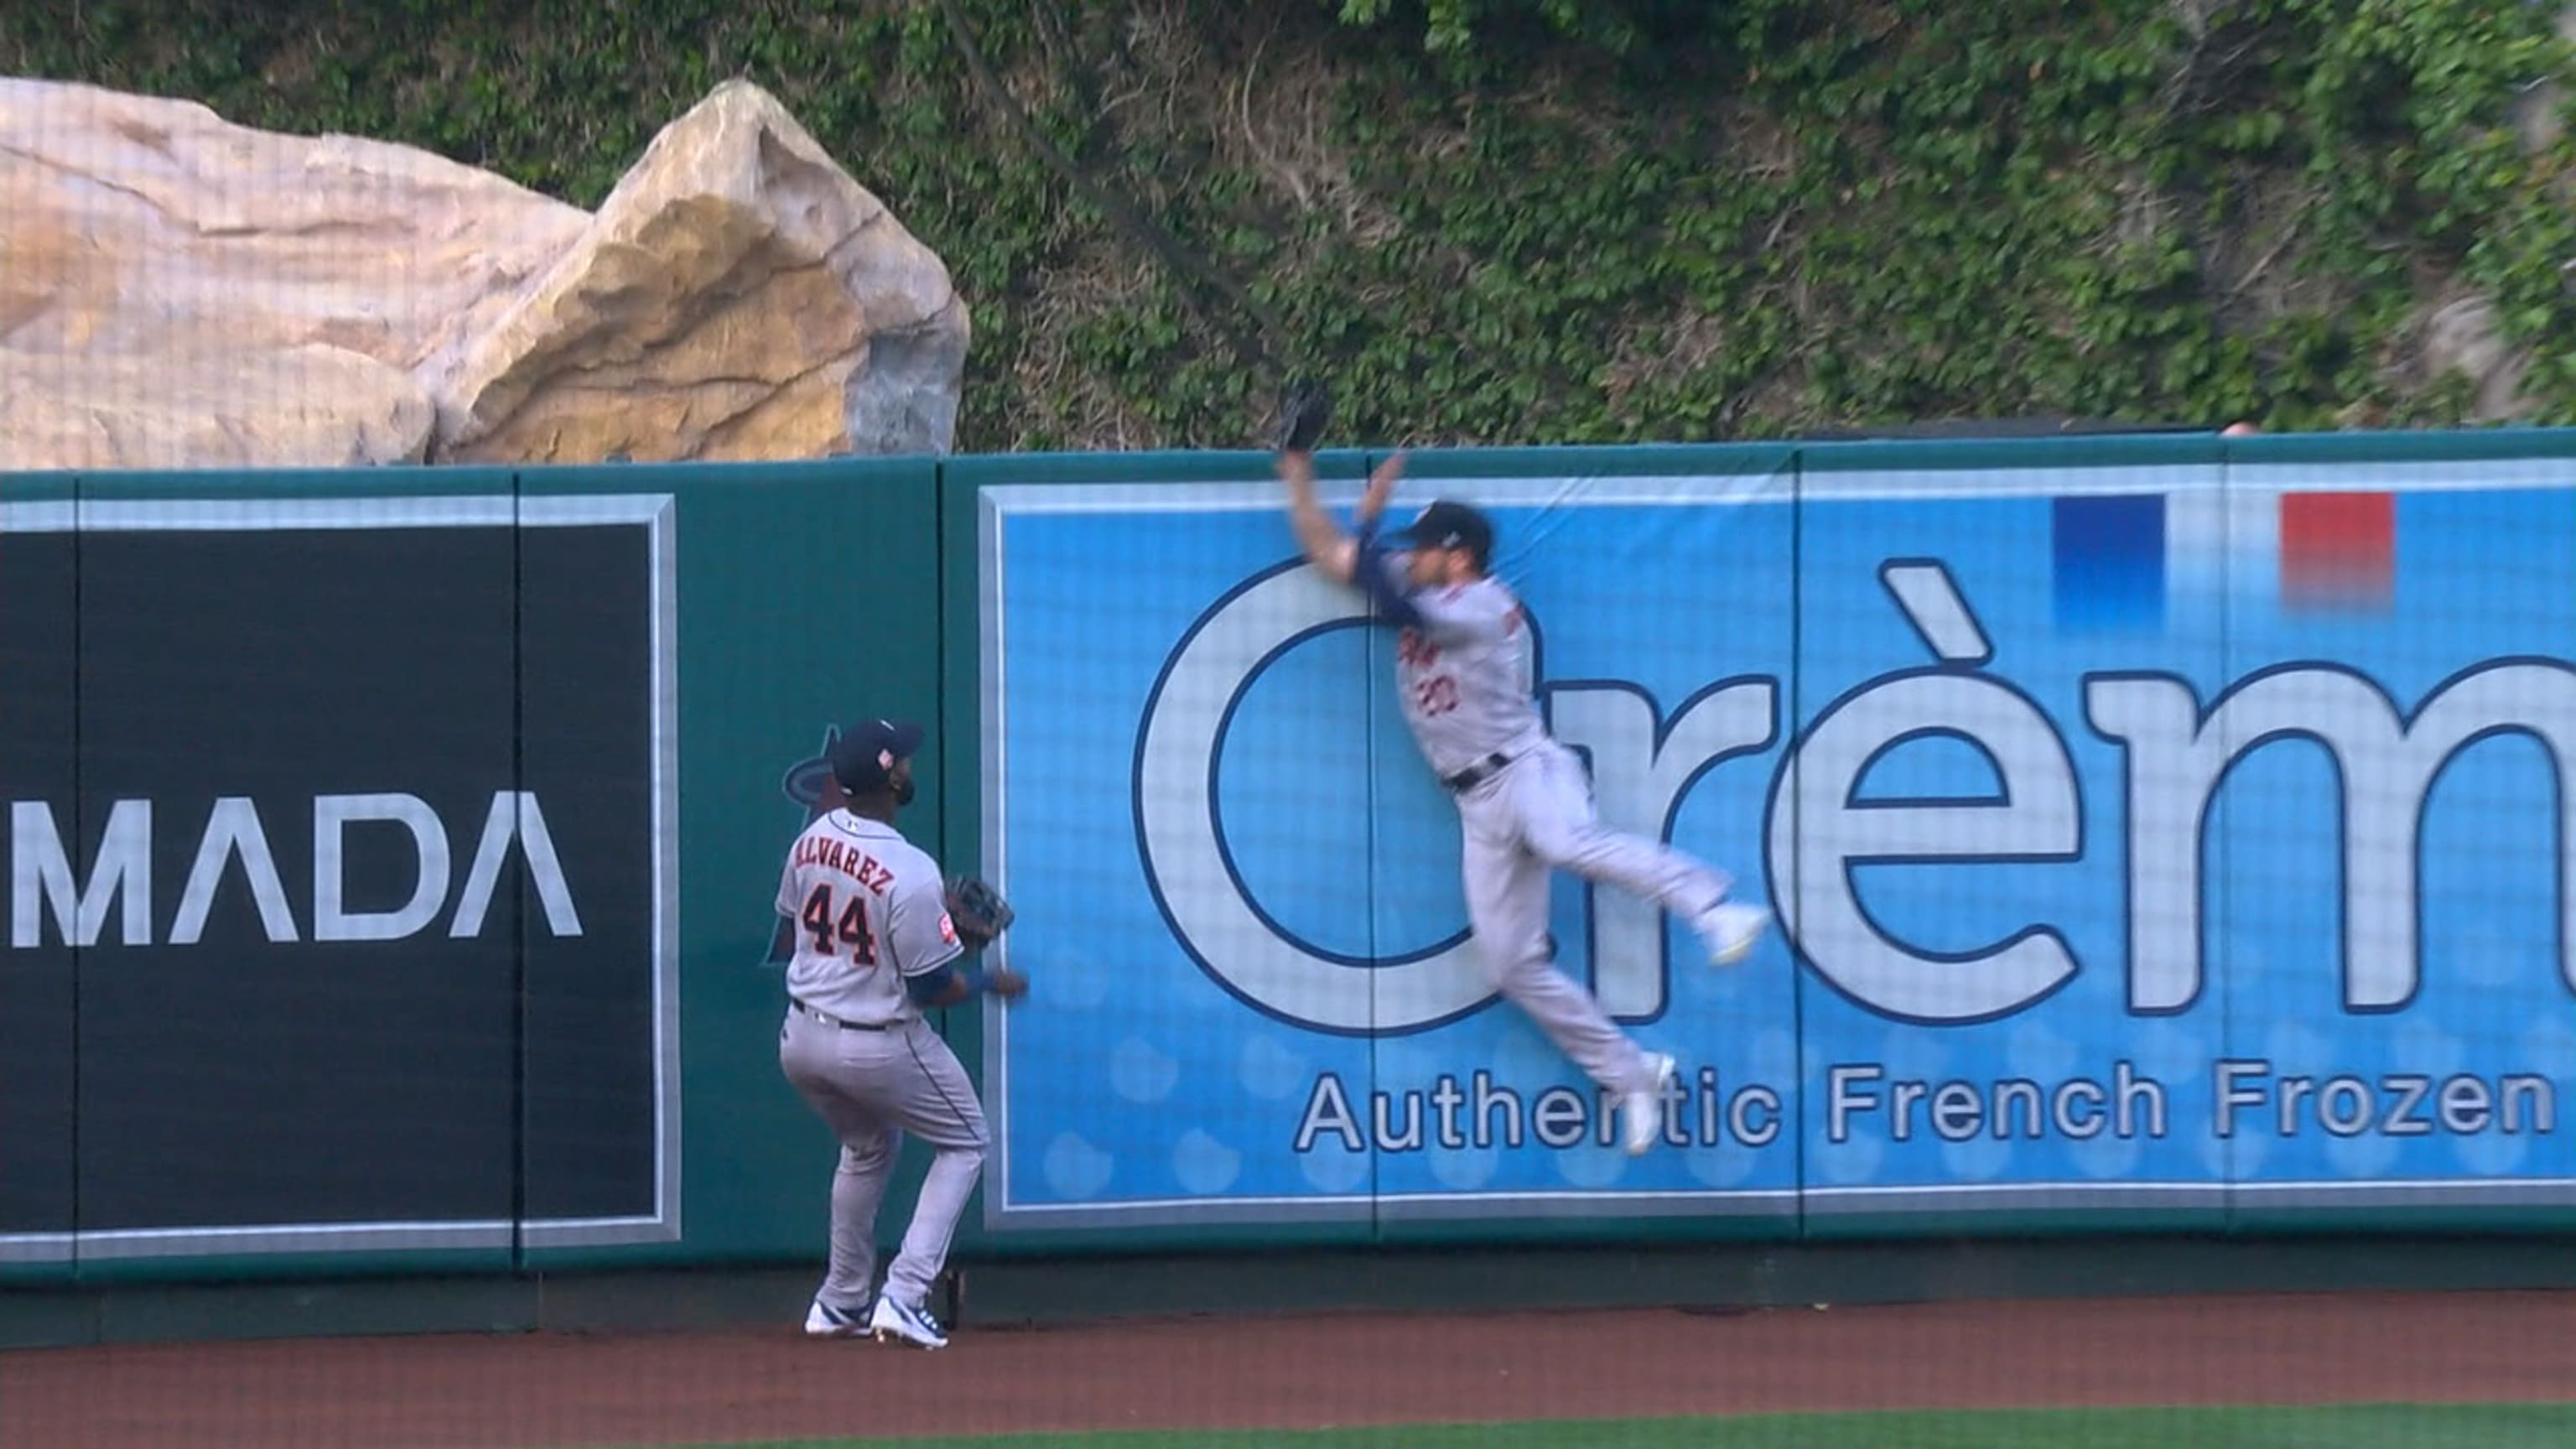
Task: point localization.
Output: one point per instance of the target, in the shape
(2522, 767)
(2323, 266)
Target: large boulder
(737, 296)
(179, 291)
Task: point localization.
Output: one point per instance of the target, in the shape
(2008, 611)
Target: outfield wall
(2169, 834)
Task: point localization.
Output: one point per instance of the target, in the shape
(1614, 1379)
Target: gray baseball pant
(1534, 816)
(872, 1087)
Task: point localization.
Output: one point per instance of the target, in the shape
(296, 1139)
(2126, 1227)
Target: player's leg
(1553, 799)
(1507, 908)
(809, 1055)
(935, 1103)
(868, 1157)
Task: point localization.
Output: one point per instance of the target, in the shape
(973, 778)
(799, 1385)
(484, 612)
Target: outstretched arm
(1337, 554)
(1330, 550)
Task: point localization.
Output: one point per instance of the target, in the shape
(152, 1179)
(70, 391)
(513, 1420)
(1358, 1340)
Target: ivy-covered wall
(1517, 221)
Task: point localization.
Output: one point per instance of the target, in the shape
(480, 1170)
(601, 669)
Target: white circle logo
(1176, 822)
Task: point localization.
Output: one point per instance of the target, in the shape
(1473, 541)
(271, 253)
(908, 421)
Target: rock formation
(179, 291)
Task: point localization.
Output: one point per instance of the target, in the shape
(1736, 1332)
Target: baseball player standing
(1464, 676)
(875, 945)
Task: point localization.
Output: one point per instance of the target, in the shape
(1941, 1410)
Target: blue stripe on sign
(2109, 557)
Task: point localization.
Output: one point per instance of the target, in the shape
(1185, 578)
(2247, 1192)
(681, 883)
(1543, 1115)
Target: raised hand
(1381, 487)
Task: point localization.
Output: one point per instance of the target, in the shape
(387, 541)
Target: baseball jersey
(870, 910)
(1463, 670)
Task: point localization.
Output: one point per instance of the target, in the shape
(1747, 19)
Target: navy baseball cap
(1447, 523)
(865, 753)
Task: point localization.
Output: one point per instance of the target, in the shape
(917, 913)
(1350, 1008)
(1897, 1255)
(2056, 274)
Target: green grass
(2394, 1426)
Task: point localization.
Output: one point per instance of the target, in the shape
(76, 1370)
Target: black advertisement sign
(342, 876)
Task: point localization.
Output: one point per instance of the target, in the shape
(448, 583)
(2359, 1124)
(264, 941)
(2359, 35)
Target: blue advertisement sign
(2178, 836)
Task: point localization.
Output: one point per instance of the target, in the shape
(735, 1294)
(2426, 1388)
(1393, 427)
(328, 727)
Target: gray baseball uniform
(1464, 674)
(871, 911)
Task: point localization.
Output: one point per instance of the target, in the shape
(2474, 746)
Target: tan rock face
(738, 296)
(124, 217)
(207, 406)
(729, 293)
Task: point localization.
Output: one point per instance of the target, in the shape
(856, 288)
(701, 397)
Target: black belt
(1477, 773)
(830, 1020)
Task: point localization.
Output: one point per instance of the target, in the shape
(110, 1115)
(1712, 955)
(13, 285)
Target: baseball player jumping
(876, 943)
(1464, 676)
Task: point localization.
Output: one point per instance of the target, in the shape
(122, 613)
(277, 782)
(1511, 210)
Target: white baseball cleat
(822, 1320)
(1644, 1109)
(896, 1322)
(1731, 931)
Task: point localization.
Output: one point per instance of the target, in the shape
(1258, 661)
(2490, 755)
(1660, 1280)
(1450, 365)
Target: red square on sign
(2338, 550)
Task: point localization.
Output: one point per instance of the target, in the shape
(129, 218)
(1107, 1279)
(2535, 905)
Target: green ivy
(1509, 221)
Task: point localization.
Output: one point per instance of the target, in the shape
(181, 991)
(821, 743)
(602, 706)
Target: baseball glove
(1302, 415)
(977, 910)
